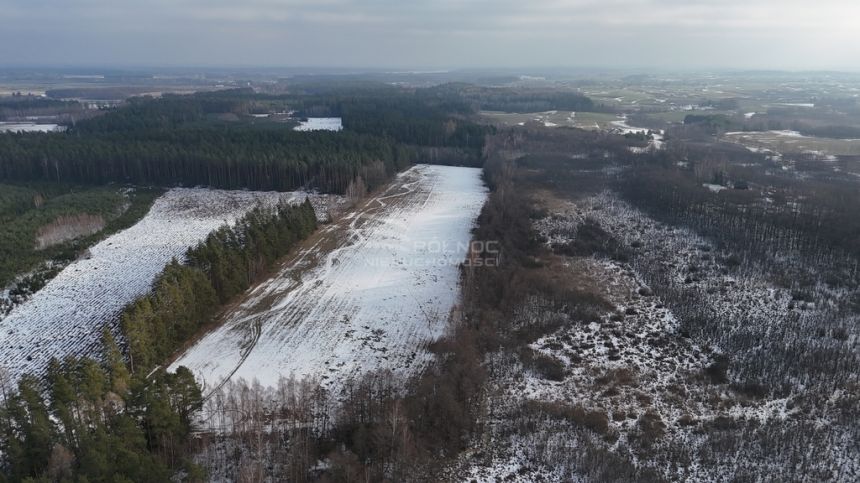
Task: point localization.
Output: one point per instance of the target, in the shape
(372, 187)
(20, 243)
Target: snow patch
(29, 127)
(320, 124)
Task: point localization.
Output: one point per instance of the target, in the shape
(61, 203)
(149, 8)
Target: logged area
(370, 292)
(67, 317)
(47, 226)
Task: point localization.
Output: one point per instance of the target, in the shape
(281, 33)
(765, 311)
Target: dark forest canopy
(223, 158)
(510, 99)
(21, 107)
(212, 139)
(21, 103)
(99, 423)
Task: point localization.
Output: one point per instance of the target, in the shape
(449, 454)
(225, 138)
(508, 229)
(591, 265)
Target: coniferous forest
(100, 423)
(210, 139)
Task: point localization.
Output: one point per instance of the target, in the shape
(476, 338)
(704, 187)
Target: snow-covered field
(29, 127)
(320, 124)
(787, 142)
(67, 316)
(582, 120)
(369, 294)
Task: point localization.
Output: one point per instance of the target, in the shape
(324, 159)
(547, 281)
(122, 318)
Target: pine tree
(117, 370)
(38, 433)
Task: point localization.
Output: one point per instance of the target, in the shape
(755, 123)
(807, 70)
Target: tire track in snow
(258, 330)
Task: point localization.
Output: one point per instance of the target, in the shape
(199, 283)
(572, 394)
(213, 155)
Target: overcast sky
(792, 34)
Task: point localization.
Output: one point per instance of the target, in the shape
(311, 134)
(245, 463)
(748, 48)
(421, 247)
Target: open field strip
(368, 292)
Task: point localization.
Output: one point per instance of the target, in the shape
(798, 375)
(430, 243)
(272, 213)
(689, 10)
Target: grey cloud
(441, 33)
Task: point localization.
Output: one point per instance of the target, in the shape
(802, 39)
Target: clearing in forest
(367, 293)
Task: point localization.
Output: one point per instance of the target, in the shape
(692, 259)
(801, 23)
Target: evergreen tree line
(457, 99)
(230, 158)
(511, 99)
(210, 139)
(413, 119)
(143, 114)
(186, 139)
(99, 423)
(21, 102)
(17, 107)
(187, 295)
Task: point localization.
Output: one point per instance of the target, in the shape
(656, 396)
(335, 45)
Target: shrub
(591, 239)
(687, 420)
(751, 389)
(595, 420)
(547, 366)
(718, 370)
(651, 426)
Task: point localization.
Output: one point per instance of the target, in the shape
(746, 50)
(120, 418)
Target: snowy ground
(582, 120)
(370, 293)
(639, 373)
(623, 128)
(320, 124)
(68, 315)
(792, 142)
(29, 127)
